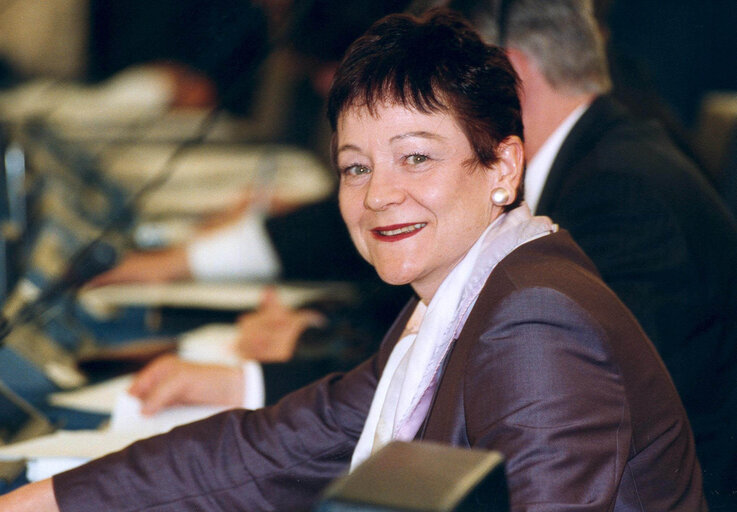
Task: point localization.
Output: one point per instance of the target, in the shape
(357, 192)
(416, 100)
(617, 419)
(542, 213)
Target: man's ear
(520, 61)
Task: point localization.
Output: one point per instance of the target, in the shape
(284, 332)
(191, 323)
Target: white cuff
(254, 390)
(238, 251)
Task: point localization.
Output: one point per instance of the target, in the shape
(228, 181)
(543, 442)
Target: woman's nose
(383, 191)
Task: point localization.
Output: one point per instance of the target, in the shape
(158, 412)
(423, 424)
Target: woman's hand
(35, 497)
(270, 334)
(169, 380)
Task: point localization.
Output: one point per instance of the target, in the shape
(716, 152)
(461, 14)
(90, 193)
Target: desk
(234, 296)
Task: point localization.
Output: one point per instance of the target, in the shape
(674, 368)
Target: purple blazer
(550, 369)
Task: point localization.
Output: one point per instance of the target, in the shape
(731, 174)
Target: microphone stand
(83, 264)
(94, 258)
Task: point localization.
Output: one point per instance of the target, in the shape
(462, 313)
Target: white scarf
(402, 397)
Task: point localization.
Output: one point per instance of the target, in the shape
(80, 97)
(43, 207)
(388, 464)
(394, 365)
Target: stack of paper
(62, 450)
(66, 449)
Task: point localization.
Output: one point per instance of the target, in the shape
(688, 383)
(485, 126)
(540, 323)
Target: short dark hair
(435, 63)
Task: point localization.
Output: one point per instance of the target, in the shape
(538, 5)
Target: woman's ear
(509, 168)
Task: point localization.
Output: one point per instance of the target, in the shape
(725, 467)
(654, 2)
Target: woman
(513, 342)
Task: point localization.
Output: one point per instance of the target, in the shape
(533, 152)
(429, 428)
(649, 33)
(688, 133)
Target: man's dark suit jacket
(664, 242)
(550, 368)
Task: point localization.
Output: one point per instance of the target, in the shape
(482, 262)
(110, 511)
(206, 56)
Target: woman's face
(412, 202)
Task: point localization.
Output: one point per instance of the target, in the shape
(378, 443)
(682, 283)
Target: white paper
(127, 416)
(51, 454)
(98, 398)
(46, 467)
(63, 450)
(70, 444)
(66, 449)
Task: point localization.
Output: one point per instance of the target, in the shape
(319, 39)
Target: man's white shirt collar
(539, 166)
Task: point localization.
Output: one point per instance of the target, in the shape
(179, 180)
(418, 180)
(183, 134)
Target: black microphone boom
(91, 260)
(98, 256)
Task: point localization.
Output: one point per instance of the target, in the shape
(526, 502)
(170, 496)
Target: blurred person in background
(641, 210)
(288, 243)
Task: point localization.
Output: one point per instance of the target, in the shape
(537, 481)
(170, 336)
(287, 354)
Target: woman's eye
(417, 159)
(356, 170)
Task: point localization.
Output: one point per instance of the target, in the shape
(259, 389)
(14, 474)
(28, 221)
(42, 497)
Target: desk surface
(221, 296)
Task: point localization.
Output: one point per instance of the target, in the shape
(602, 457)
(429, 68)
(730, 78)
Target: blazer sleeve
(541, 388)
(277, 458)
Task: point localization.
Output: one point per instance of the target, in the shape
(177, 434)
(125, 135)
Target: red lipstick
(397, 232)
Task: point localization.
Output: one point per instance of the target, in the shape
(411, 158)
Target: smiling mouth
(399, 232)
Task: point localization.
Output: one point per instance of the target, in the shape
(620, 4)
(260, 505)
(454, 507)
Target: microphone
(89, 261)
(421, 476)
(99, 256)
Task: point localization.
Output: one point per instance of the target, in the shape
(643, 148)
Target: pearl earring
(499, 196)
